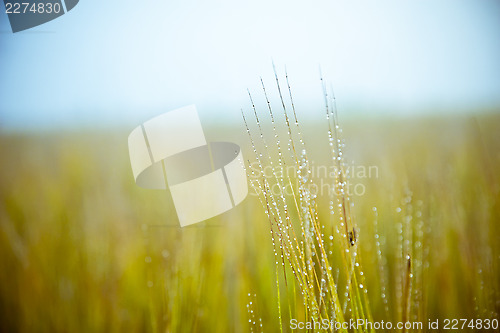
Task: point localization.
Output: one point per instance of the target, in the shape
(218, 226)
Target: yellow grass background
(83, 249)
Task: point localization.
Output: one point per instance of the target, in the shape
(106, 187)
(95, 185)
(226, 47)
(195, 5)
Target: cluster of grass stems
(319, 264)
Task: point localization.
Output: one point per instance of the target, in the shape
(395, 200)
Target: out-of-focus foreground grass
(83, 249)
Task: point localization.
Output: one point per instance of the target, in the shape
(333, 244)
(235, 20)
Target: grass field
(83, 249)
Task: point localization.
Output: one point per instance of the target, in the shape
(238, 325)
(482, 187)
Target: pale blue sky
(121, 62)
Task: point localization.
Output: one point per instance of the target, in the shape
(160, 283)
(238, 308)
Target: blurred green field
(83, 249)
